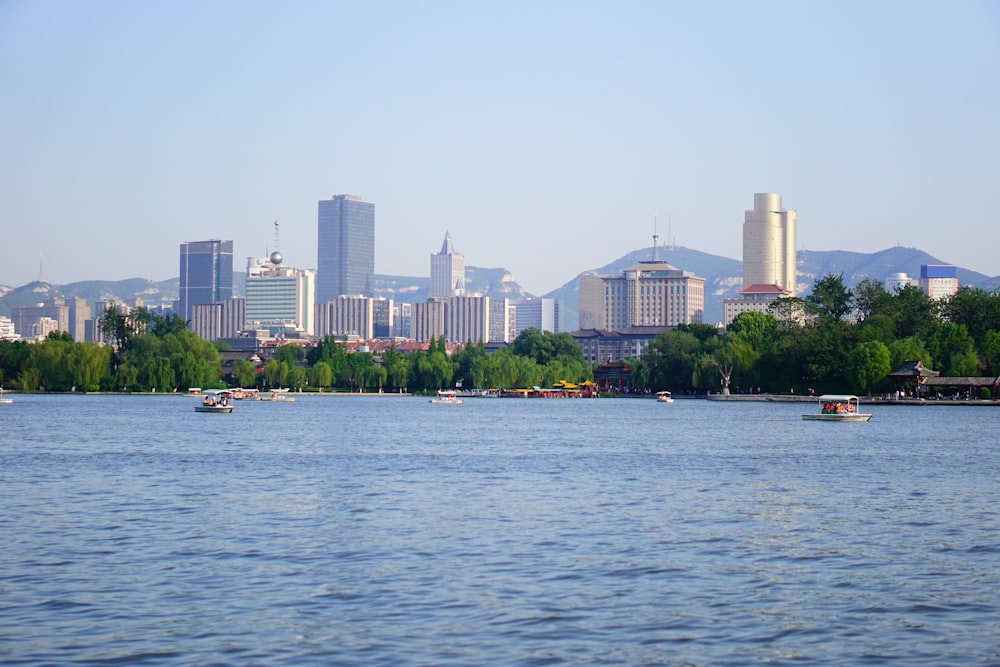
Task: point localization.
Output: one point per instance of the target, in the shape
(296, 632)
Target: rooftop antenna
(656, 237)
(275, 256)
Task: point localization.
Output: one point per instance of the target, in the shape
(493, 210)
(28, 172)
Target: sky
(546, 137)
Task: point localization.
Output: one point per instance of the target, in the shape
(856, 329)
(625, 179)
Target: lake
(386, 530)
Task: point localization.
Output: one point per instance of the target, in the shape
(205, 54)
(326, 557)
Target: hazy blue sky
(543, 135)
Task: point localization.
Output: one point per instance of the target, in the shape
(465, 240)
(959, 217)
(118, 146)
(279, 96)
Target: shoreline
(717, 398)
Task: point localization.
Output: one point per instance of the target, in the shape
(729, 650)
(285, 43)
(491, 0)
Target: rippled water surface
(358, 531)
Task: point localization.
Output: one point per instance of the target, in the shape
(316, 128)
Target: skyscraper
(346, 248)
(769, 244)
(447, 271)
(206, 274)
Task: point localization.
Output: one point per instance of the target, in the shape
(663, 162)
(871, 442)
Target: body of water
(389, 531)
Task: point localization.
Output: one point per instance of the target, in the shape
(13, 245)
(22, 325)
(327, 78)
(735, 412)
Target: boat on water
(664, 397)
(839, 408)
(4, 399)
(277, 396)
(561, 389)
(216, 401)
(446, 398)
(241, 394)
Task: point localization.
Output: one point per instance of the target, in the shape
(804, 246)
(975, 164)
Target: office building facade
(938, 281)
(769, 244)
(428, 320)
(542, 314)
(215, 321)
(281, 298)
(647, 294)
(206, 274)
(345, 263)
(447, 271)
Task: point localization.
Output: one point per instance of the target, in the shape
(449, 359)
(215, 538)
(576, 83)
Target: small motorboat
(446, 398)
(216, 401)
(839, 408)
(664, 397)
(277, 396)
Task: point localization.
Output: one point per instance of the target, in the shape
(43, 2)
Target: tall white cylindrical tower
(769, 243)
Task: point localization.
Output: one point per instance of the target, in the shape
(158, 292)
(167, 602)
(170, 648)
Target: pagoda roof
(914, 369)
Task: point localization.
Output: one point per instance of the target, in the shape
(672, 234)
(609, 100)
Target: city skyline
(524, 130)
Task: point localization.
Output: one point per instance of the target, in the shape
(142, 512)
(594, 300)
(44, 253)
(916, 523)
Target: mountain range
(723, 277)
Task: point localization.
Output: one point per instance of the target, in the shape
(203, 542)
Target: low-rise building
(599, 346)
(753, 298)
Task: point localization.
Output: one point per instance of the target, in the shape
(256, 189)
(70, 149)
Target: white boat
(839, 408)
(216, 401)
(664, 397)
(446, 398)
(242, 394)
(277, 396)
(4, 400)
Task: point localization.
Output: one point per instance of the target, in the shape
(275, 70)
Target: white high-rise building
(281, 297)
(447, 271)
(769, 244)
(542, 314)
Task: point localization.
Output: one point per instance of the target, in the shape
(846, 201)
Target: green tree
(724, 355)
(871, 298)
(990, 352)
(974, 308)
(906, 349)
(89, 365)
(289, 353)
(29, 379)
(13, 357)
(126, 377)
(878, 327)
(914, 312)
(245, 375)
(754, 328)
(672, 357)
(953, 350)
(397, 368)
(275, 373)
(869, 364)
(51, 358)
(830, 299)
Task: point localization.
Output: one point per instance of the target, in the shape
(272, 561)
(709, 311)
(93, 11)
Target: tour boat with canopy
(839, 408)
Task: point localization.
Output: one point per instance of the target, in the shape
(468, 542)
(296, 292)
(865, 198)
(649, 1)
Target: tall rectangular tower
(345, 264)
(769, 244)
(447, 271)
(206, 274)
